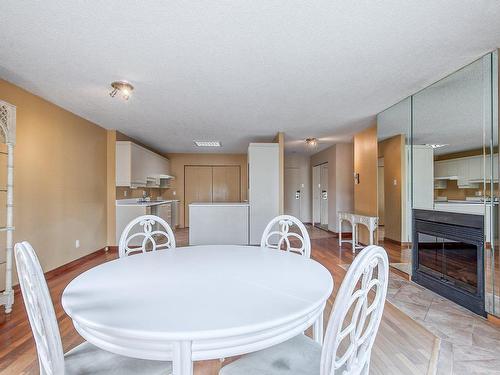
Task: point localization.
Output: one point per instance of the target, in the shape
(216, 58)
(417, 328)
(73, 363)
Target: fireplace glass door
(451, 261)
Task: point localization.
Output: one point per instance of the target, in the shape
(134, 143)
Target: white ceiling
(239, 71)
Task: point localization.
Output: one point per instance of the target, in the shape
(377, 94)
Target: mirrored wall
(438, 158)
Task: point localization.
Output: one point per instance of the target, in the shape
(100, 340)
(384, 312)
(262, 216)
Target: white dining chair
(277, 235)
(83, 359)
(142, 230)
(350, 334)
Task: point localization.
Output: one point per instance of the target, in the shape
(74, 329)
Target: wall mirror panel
(438, 172)
(394, 191)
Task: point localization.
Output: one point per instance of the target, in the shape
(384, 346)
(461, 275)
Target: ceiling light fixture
(124, 87)
(312, 142)
(437, 145)
(207, 143)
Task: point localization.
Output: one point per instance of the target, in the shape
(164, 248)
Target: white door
(324, 194)
(293, 194)
(316, 193)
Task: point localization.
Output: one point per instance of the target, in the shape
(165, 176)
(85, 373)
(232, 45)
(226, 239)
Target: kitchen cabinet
(165, 212)
(475, 168)
(129, 209)
(467, 171)
(137, 166)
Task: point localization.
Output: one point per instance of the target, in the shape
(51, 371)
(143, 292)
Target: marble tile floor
(470, 345)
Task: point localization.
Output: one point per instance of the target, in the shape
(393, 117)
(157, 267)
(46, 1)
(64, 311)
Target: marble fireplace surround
(469, 343)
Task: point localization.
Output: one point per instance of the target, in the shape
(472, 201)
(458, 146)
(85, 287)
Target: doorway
(320, 196)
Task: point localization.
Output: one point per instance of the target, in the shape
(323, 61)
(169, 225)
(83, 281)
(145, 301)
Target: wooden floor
(402, 346)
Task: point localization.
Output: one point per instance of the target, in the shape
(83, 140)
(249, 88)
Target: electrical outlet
(125, 193)
(174, 193)
(77, 244)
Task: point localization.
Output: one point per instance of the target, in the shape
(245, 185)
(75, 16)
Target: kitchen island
(218, 223)
(475, 208)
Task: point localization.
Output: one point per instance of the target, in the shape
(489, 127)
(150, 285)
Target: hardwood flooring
(402, 345)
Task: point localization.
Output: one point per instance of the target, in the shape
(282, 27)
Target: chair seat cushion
(299, 355)
(89, 359)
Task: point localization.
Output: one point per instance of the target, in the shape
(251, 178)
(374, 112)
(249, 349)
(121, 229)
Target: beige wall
(365, 163)
(340, 159)
(60, 182)
(280, 139)
(179, 161)
(392, 150)
(344, 186)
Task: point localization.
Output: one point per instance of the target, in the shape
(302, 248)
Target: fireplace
(448, 250)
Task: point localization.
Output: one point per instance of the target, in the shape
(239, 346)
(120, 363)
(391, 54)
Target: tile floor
(470, 344)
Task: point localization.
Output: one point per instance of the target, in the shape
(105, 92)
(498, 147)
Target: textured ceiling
(239, 71)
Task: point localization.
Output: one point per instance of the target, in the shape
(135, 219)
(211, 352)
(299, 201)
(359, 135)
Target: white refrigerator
(263, 187)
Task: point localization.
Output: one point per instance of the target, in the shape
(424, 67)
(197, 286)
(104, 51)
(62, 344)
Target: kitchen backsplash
(453, 192)
(125, 192)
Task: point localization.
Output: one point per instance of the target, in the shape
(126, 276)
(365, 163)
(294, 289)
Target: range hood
(447, 178)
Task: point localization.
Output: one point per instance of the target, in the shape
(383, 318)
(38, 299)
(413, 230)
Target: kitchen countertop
(135, 202)
(236, 204)
(462, 202)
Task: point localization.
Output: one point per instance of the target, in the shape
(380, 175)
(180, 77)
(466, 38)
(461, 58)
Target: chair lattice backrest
(149, 237)
(283, 238)
(40, 310)
(356, 314)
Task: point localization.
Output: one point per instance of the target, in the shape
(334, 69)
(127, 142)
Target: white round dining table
(198, 302)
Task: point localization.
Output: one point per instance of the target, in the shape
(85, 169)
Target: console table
(370, 222)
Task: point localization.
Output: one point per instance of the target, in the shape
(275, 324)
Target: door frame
(313, 188)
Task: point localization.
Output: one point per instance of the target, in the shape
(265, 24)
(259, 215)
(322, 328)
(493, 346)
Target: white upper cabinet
(475, 168)
(137, 166)
(467, 171)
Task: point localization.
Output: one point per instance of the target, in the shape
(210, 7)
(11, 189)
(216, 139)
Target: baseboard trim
(70, 266)
(404, 275)
(396, 242)
(73, 264)
(494, 320)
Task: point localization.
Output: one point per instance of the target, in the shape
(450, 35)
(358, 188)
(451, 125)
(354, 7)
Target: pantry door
(197, 187)
(226, 185)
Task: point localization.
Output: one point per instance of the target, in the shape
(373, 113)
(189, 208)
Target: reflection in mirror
(394, 208)
(455, 170)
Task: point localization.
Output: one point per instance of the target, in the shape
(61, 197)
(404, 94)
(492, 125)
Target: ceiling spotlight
(122, 87)
(312, 142)
(436, 145)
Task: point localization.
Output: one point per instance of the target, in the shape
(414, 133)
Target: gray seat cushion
(89, 359)
(299, 355)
